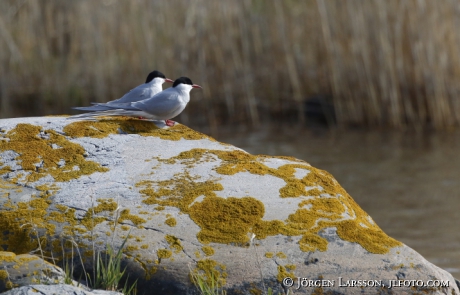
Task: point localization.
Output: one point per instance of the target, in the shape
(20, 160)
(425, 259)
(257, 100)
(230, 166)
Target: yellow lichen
(164, 253)
(7, 256)
(22, 259)
(239, 161)
(178, 192)
(131, 248)
(180, 131)
(226, 220)
(107, 126)
(90, 220)
(150, 272)
(102, 128)
(21, 220)
(207, 250)
(281, 255)
(5, 169)
(290, 266)
(3, 275)
(43, 153)
(9, 186)
(108, 205)
(231, 220)
(174, 243)
(269, 254)
(31, 222)
(9, 285)
(171, 221)
(24, 262)
(126, 215)
(283, 273)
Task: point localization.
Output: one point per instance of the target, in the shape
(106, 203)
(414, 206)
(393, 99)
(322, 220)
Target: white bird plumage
(164, 105)
(152, 86)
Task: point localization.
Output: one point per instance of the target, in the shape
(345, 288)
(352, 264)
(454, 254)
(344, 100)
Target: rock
(26, 269)
(186, 203)
(56, 290)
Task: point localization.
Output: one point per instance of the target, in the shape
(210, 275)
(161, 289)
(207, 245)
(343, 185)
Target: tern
(164, 105)
(153, 85)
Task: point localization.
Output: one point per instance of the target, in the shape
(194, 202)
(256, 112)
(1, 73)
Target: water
(408, 183)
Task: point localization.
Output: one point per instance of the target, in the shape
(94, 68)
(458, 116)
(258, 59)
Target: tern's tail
(107, 106)
(116, 112)
(94, 108)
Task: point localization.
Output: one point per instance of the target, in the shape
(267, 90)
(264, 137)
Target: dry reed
(385, 62)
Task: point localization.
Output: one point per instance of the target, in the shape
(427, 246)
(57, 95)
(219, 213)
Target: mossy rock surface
(183, 200)
(25, 269)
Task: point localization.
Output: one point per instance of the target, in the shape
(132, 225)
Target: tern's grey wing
(160, 105)
(139, 93)
(123, 106)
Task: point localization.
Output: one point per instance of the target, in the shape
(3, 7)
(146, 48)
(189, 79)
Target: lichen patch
(284, 273)
(21, 220)
(45, 152)
(126, 215)
(207, 250)
(163, 254)
(106, 126)
(171, 221)
(226, 220)
(174, 243)
(231, 220)
(6, 187)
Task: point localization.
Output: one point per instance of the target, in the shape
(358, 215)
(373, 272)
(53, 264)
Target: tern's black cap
(182, 80)
(153, 75)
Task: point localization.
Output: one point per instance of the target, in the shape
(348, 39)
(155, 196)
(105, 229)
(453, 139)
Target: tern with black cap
(153, 85)
(164, 105)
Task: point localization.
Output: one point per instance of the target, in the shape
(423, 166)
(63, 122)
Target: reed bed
(385, 63)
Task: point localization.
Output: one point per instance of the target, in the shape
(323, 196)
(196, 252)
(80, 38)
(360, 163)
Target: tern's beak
(196, 86)
(169, 80)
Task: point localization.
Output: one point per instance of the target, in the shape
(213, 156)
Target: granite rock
(185, 203)
(56, 290)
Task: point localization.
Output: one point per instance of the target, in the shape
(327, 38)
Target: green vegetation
(207, 282)
(31, 226)
(108, 273)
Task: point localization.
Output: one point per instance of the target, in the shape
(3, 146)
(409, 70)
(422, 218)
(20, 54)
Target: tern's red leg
(169, 123)
(141, 118)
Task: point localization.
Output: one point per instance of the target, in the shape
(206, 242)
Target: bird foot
(170, 123)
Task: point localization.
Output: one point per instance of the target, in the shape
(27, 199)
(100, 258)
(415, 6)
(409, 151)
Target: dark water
(408, 183)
